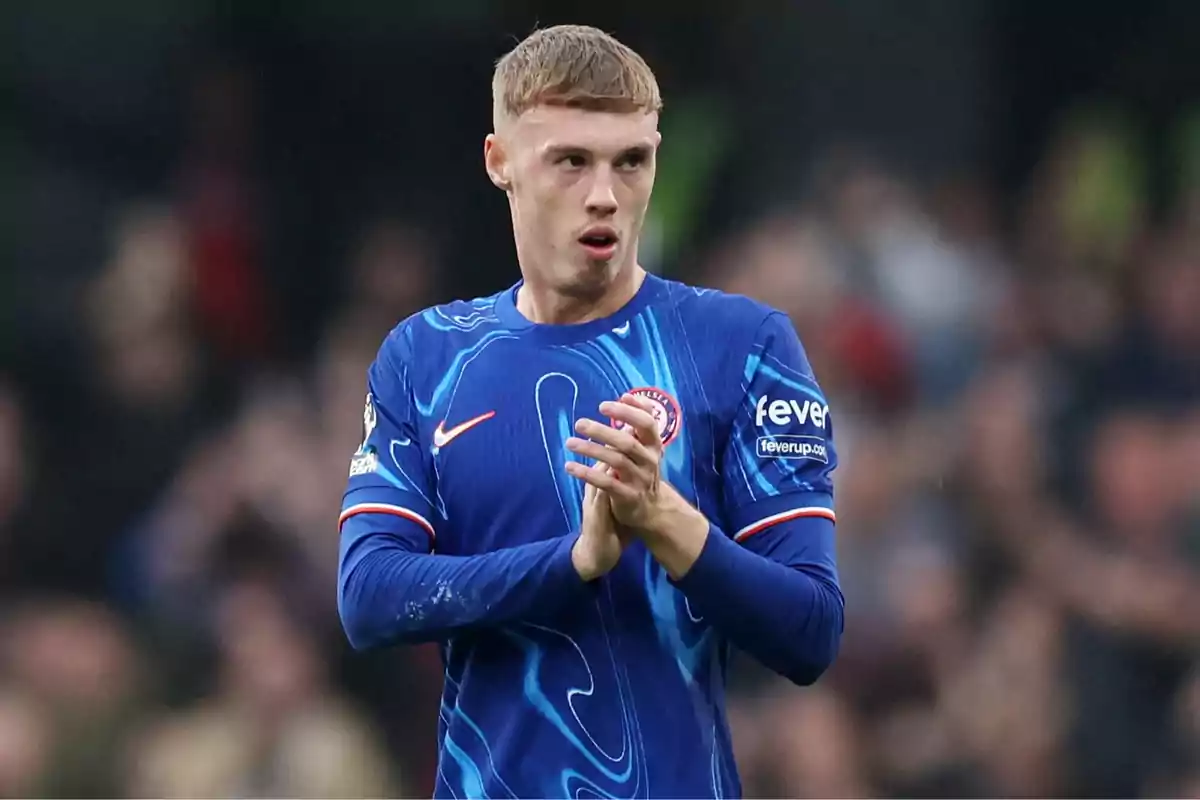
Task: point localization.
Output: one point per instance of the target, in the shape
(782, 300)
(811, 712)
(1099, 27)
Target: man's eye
(632, 160)
(573, 160)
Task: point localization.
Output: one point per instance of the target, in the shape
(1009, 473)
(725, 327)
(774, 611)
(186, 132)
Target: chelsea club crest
(667, 416)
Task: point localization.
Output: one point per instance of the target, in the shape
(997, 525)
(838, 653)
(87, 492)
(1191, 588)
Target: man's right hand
(599, 546)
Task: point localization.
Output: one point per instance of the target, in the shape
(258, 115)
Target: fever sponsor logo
(812, 448)
(785, 412)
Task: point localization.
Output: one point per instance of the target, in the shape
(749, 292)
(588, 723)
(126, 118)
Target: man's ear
(495, 160)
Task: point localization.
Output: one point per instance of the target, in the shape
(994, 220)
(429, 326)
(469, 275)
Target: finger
(619, 439)
(630, 410)
(619, 463)
(599, 452)
(602, 479)
(640, 401)
(594, 496)
(637, 417)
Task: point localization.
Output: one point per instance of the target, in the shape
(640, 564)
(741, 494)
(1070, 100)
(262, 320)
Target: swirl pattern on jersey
(570, 696)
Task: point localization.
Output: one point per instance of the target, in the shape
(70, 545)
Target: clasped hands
(625, 496)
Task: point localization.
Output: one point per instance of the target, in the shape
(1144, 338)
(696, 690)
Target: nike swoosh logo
(443, 437)
(621, 330)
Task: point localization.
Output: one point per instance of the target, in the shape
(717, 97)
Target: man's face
(579, 183)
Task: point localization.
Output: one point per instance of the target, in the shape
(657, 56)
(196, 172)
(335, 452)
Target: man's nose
(601, 199)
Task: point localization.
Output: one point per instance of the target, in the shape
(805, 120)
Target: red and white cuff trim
(783, 516)
(385, 508)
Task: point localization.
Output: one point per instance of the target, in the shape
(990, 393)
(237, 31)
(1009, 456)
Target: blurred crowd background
(982, 216)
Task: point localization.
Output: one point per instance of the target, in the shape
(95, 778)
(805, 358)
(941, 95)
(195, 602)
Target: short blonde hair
(577, 66)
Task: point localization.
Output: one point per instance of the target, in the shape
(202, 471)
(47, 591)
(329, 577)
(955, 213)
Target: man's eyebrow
(562, 148)
(642, 149)
(559, 149)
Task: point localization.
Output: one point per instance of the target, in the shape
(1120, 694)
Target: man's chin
(591, 278)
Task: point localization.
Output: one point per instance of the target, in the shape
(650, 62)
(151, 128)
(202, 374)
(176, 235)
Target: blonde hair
(577, 66)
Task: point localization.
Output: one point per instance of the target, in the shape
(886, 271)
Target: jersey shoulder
(734, 318)
(443, 328)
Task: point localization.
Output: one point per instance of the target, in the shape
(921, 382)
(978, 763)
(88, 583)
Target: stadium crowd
(1017, 408)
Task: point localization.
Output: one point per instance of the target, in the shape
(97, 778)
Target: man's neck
(545, 306)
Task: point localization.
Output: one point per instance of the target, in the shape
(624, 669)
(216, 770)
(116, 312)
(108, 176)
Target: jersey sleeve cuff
(762, 514)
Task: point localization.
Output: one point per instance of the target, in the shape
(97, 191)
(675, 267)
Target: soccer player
(589, 487)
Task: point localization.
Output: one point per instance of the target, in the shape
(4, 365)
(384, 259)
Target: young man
(587, 487)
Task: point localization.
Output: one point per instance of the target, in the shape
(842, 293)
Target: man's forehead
(546, 127)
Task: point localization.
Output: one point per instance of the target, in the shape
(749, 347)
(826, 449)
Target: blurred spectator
(220, 198)
(24, 745)
(271, 729)
(76, 662)
(143, 351)
(14, 459)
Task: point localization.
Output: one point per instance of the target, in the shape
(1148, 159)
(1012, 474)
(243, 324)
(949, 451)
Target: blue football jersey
(617, 692)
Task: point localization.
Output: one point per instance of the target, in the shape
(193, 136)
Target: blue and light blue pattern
(624, 696)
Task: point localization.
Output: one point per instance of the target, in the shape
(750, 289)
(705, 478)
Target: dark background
(983, 218)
